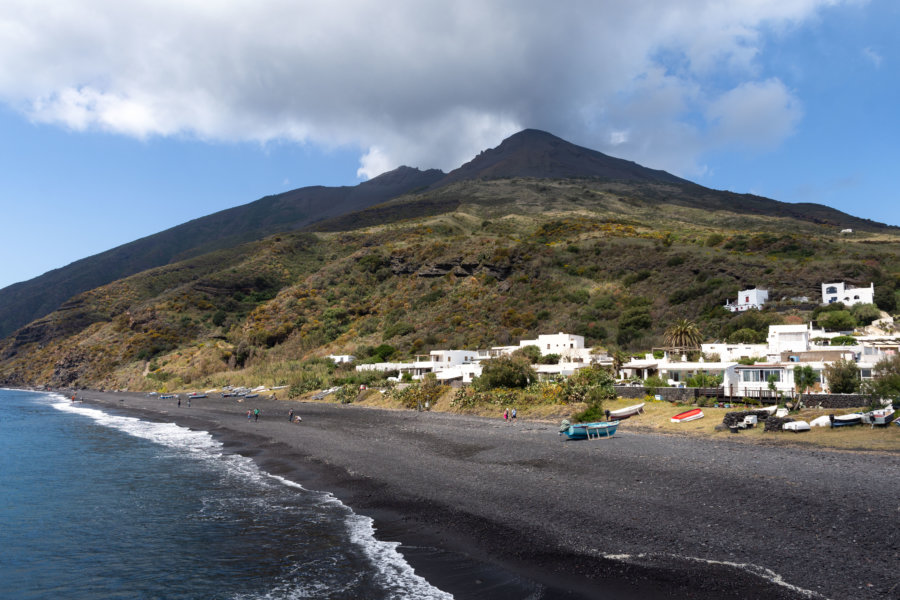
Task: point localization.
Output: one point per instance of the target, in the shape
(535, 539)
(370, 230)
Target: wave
(391, 571)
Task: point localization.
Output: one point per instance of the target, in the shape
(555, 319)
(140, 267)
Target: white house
(748, 299)
(677, 373)
(734, 352)
(838, 292)
(790, 338)
(340, 359)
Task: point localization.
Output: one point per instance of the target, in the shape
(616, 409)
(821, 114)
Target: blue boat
(588, 431)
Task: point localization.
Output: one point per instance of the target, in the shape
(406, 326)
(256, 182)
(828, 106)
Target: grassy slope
(474, 264)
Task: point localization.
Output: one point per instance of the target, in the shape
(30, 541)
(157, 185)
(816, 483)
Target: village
(735, 370)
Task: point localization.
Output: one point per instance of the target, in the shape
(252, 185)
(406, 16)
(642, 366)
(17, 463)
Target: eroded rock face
(69, 369)
(458, 267)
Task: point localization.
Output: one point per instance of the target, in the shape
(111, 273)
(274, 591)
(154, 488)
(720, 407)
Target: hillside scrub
(499, 267)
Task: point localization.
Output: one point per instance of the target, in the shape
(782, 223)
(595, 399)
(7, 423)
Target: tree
(865, 314)
(683, 334)
(885, 381)
(804, 378)
(842, 376)
(837, 320)
(504, 371)
(747, 336)
(531, 352)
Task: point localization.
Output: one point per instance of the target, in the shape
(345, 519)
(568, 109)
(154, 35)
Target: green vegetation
(470, 265)
(842, 376)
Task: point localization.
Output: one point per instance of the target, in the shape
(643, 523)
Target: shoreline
(484, 508)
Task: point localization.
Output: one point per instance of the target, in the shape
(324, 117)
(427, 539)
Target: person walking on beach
(179, 401)
(506, 415)
(189, 401)
(255, 415)
(249, 414)
(291, 415)
(514, 414)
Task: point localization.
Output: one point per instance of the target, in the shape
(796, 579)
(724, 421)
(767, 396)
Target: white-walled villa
(839, 292)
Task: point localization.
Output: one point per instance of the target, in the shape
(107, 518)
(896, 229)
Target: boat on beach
(878, 417)
(624, 413)
(845, 420)
(588, 431)
(823, 421)
(796, 426)
(688, 415)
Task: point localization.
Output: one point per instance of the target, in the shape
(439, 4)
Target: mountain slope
(23, 302)
(538, 154)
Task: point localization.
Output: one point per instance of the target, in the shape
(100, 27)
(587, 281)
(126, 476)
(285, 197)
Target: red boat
(688, 415)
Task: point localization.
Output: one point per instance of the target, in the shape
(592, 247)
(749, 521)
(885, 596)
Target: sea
(97, 505)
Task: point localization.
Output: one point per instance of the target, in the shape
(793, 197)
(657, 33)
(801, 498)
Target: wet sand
(487, 509)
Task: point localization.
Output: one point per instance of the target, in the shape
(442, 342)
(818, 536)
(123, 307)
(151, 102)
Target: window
(760, 375)
(831, 290)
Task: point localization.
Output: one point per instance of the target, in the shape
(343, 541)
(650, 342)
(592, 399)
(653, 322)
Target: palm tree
(683, 334)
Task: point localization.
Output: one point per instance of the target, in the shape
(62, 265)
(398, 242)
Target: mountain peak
(536, 153)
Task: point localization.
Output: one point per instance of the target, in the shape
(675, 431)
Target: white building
(748, 299)
(340, 359)
(838, 292)
(734, 352)
(788, 338)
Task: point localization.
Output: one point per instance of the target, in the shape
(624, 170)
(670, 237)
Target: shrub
(865, 314)
(837, 320)
(505, 372)
(842, 376)
(843, 340)
(746, 336)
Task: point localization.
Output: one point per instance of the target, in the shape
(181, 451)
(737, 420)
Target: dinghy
(624, 413)
(688, 415)
(823, 421)
(796, 426)
(845, 420)
(878, 417)
(588, 431)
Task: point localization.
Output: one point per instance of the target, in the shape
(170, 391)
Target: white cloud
(873, 56)
(757, 115)
(425, 84)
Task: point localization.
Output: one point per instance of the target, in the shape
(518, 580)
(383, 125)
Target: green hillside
(469, 264)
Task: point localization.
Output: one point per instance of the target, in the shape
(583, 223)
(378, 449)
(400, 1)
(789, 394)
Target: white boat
(769, 409)
(823, 421)
(796, 426)
(624, 413)
(688, 415)
(878, 417)
(781, 412)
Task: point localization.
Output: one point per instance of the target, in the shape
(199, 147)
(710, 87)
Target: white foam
(763, 572)
(394, 574)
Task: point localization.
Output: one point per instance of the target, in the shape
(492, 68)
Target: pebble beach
(489, 509)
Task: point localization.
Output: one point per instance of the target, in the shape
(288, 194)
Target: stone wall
(837, 400)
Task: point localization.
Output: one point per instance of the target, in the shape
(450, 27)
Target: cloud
(873, 56)
(407, 82)
(755, 115)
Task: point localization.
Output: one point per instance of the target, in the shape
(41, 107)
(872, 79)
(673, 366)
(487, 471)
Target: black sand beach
(486, 509)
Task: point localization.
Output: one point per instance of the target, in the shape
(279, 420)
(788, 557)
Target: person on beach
(189, 401)
(513, 416)
(179, 402)
(255, 414)
(249, 414)
(291, 415)
(506, 415)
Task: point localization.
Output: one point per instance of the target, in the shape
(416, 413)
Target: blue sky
(119, 120)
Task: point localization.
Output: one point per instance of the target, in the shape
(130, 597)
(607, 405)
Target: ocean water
(95, 505)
